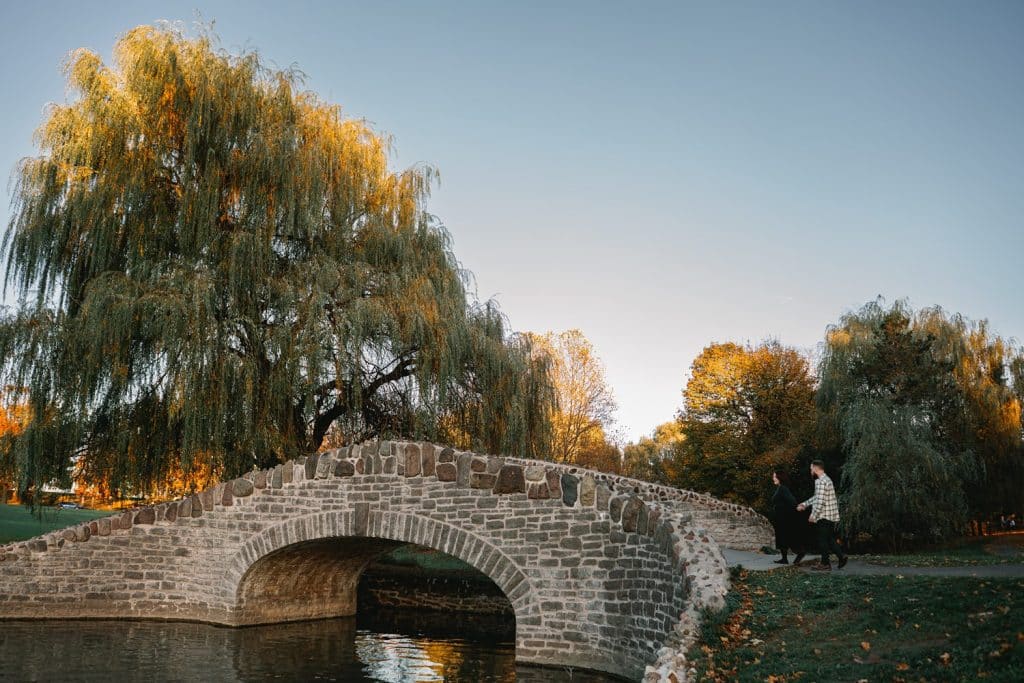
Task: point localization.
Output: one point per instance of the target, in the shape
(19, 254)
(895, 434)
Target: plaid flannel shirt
(823, 503)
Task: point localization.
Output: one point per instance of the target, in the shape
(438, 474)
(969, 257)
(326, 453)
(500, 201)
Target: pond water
(399, 647)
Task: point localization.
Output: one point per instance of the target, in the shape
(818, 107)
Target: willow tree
(211, 261)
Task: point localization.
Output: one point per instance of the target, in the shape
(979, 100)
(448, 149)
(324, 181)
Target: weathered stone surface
(464, 465)
(534, 473)
(203, 569)
(615, 508)
(482, 480)
(587, 490)
(570, 485)
(311, 463)
(145, 516)
(412, 460)
(631, 513)
(240, 488)
(554, 483)
(510, 480)
(287, 472)
(428, 460)
(446, 471)
(537, 490)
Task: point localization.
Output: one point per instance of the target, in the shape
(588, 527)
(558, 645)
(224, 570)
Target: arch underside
(309, 567)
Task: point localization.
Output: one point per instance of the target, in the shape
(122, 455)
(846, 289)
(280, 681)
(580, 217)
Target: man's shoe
(796, 560)
(842, 561)
(822, 567)
(782, 561)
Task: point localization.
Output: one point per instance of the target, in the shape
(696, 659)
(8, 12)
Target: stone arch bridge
(602, 572)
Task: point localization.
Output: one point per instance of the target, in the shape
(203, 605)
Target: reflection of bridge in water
(601, 572)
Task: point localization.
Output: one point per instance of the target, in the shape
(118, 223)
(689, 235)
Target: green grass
(789, 625)
(997, 550)
(17, 523)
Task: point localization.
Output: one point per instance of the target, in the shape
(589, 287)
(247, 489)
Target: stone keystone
(510, 480)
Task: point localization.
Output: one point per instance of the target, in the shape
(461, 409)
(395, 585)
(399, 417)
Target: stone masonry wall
(601, 572)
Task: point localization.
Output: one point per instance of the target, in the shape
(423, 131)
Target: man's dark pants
(826, 529)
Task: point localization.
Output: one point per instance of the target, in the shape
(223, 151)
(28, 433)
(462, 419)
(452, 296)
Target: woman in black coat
(785, 519)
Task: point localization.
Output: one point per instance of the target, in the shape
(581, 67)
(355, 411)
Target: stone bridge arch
(603, 572)
(350, 541)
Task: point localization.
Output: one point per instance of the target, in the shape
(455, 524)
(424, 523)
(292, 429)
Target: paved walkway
(762, 562)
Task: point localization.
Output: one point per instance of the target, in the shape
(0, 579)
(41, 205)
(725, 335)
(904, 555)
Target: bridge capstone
(602, 572)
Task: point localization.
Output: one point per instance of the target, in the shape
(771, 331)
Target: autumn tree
(211, 260)
(745, 410)
(656, 458)
(584, 411)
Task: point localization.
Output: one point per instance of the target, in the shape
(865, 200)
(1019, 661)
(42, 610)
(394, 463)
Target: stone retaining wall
(601, 572)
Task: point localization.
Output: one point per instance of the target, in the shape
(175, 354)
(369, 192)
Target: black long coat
(785, 519)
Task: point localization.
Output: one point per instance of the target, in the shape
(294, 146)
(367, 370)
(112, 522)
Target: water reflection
(399, 648)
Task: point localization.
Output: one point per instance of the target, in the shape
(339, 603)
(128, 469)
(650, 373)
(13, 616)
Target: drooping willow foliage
(928, 418)
(211, 260)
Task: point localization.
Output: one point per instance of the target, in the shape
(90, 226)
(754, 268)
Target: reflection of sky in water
(396, 658)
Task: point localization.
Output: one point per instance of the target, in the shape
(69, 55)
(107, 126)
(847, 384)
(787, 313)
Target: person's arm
(813, 499)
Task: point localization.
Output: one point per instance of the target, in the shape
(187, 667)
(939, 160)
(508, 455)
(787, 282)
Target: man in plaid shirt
(824, 515)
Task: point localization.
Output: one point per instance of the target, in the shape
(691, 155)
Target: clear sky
(659, 175)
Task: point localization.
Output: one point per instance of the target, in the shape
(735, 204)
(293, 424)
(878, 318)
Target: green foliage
(210, 260)
(655, 458)
(926, 420)
(17, 523)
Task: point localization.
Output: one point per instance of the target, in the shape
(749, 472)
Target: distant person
(785, 519)
(824, 515)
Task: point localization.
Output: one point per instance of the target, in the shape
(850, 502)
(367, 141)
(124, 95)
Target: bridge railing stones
(683, 524)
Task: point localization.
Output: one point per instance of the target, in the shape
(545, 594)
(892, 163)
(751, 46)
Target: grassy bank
(17, 523)
(1003, 549)
(789, 625)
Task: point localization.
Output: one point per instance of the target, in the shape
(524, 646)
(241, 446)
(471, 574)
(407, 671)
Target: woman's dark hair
(782, 475)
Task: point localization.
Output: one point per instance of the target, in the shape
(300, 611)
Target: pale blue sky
(658, 175)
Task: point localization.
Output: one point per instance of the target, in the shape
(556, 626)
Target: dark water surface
(405, 646)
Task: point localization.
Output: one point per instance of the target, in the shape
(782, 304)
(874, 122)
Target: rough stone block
(554, 482)
(478, 464)
(570, 485)
(390, 464)
(494, 465)
(446, 471)
(447, 455)
(145, 516)
(482, 480)
(602, 495)
(510, 480)
(412, 460)
(240, 488)
(534, 473)
(170, 511)
(310, 464)
(287, 472)
(537, 490)
(185, 509)
(631, 513)
(260, 480)
(587, 491)
(428, 459)
(344, 468)
(464, 465)
(615, 508)
(197, 506)
(226, 499)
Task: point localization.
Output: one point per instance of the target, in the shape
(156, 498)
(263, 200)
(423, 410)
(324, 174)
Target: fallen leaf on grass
(902, 666)
(945, 658)
(865, 645)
